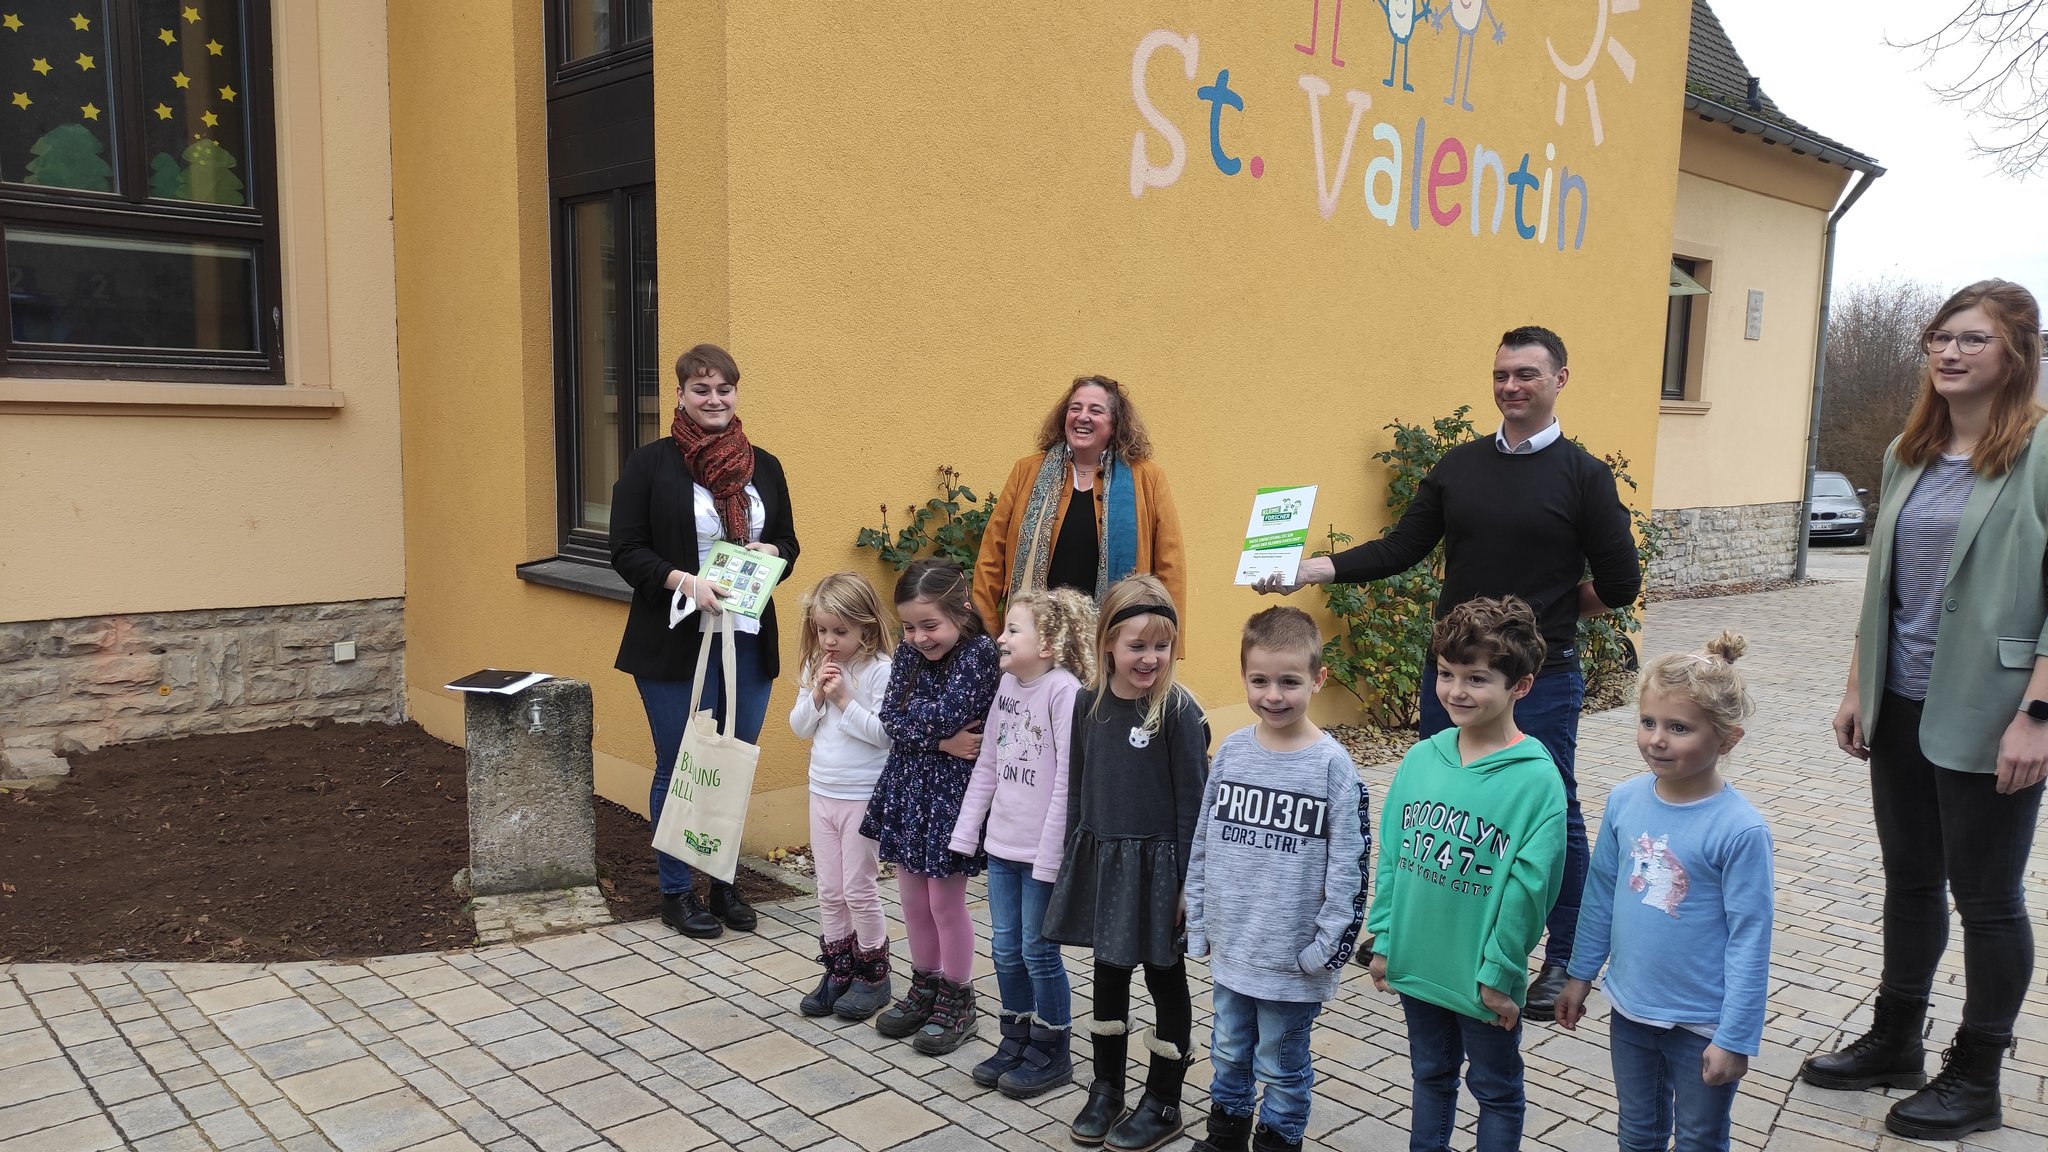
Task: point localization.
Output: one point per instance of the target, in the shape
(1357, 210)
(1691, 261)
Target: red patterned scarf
(722, 462)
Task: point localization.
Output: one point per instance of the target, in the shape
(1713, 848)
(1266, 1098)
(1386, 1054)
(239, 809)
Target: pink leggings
(935, 919)
(849, 901)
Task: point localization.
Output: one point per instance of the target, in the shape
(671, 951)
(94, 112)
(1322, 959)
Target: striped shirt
(1922, 542)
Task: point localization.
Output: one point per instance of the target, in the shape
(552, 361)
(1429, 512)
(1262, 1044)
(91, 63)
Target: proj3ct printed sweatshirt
(1471, 860)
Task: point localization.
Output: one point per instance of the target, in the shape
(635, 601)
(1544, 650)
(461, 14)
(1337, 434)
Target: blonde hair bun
(1728, 646)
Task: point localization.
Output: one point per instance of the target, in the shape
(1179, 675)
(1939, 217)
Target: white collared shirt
(1536, 443)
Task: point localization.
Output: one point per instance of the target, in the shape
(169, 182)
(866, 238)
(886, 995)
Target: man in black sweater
(1522, 512)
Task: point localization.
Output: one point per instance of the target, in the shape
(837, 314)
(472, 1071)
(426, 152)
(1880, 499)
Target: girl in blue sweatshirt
(1678, 907)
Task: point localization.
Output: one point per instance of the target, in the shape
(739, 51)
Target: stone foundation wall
(1706, 546)
(77, 684)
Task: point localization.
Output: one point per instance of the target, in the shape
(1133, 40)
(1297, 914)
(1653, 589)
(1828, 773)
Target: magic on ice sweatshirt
(1471, 861)
(848, 745)
(1285, 835)
(1020, 778)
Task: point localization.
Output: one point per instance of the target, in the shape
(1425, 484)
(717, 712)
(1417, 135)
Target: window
(601, 184)
(1684, 316)
(137, 190)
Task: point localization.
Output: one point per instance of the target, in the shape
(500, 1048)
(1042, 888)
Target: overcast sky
(1940, 213)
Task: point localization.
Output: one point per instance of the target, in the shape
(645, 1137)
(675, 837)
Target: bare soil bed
(339, 840)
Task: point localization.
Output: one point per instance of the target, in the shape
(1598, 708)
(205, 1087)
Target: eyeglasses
(1970, 343)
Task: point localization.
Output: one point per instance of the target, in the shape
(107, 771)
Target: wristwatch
(2036, 710)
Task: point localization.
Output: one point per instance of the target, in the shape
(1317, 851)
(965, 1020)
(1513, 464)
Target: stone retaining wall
(80, 683)
(1706, 546)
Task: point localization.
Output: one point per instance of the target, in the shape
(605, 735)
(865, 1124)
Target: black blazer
(654, 532)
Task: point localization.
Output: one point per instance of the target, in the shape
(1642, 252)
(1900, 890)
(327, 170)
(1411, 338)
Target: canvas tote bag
(714, 777)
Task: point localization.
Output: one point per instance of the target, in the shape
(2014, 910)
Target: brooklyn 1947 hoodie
(1471, 860)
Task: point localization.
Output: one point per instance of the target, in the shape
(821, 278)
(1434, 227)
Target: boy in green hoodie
(1471, 859)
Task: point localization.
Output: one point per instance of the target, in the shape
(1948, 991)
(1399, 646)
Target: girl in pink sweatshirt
(1020, 786)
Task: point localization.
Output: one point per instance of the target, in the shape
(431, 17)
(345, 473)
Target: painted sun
(1581, 72)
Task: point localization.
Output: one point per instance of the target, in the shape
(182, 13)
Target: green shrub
(948, 526)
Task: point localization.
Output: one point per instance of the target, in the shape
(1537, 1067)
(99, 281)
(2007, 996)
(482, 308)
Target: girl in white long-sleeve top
(845, 672)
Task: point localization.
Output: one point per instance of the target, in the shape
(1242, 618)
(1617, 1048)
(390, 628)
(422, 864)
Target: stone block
(531, 824)
(274, 687)
(18, 641)
(118, 675)
(346, 679)
(32, 767)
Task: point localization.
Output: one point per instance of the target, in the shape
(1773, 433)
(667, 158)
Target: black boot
(1962, 1098)
(1889, 1054)
(952, 1022)
(910, 1013)
(728, 905)
(1157, 1119)
(1016, 1030)
(682, 912)
(1541, 1004)
(1047, 1063)
(869, 991)
(837, 958)
(1267, 1140)
(1105, 1105)
(1227, 1133)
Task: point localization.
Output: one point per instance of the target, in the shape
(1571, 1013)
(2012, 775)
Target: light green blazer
(1994, 609)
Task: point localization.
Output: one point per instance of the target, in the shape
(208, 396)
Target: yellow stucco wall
(1759, 214)
(115, 508)
(913, 224)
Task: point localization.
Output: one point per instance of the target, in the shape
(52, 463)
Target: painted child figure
(940, 686)
(1134, 786)
(1020, 788)
(1285, 833)
(1471, 861)
(1684, 923)
(845, 669)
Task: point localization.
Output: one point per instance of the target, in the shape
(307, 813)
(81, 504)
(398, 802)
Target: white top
(1536, 443)
(848, 745)
(710, 530)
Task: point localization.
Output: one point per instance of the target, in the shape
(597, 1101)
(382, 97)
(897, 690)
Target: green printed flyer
(1277, 534)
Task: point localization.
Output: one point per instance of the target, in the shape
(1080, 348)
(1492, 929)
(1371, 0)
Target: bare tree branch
(2002, 47)
(1873, 371)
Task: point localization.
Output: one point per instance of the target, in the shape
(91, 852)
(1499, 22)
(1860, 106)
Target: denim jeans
(1936, 828)
(668, 711)
(1439, 1042)
(1268, 1038)
(1658, 1090)
(1029, 972)
(1550, 713)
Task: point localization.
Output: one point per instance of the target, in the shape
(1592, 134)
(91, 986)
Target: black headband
(1129, 610)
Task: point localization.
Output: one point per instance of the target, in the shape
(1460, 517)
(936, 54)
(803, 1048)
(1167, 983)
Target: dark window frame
(1678, 326)
(131, 212)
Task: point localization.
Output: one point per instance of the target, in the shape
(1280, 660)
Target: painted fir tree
(209, 174)
(68, 156)
(166, 177)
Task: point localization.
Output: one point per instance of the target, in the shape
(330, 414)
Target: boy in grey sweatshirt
(1286, 832)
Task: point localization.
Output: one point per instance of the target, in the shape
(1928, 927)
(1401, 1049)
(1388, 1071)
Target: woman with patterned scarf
(675, 498)
(1093, 455)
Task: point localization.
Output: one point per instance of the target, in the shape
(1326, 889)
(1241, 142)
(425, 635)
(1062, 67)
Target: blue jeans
(1030, 975)
(1550, 713)
(668, 712)
(1270, 1038)
(1439, 1042)
(1657, 1082)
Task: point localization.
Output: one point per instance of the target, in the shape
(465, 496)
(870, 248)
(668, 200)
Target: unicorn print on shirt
(1657, 874)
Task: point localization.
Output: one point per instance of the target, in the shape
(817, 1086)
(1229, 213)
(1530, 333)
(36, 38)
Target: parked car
(1838, 511)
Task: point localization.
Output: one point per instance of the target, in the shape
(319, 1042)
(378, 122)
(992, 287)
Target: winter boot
(1105, 1104)
(1016, 1034)
(1267, 1140)
(1962, 1098)
(1156, 1120)
(1227, 1133)
(1890, 1053)
(682, 912)
(909, 1014)
(837, 958)
(953, 1020)
(1047, 1063)
(869, 989)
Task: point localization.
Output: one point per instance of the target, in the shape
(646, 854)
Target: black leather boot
(1016, 1030)
(1962, 1098)
(837, 957)
(1226, 1133)
(1889, 1054)
(682, 912)
(728, 905)
(1105, 1104)
(1157, 1119)
(1267, 1140)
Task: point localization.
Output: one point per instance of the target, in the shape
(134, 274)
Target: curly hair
(1502, 634)
(1126, 428)
(1709, 680)
(1065, 620)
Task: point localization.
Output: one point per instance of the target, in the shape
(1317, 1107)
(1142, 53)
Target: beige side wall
(1744, 441)
(112, 506)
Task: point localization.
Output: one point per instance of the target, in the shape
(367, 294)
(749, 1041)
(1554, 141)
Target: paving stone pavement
(631, 1037)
